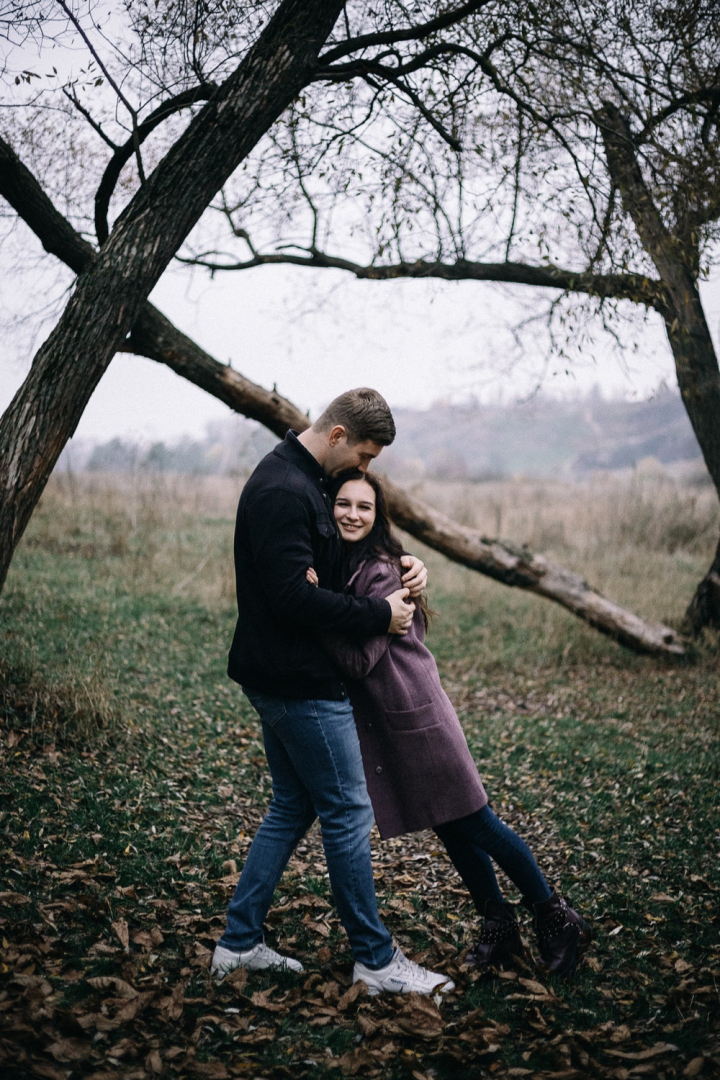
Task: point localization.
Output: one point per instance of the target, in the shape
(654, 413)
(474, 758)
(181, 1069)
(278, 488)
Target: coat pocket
(425, 716)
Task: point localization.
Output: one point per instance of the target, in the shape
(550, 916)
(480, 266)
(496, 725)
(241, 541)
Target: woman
(418, 767)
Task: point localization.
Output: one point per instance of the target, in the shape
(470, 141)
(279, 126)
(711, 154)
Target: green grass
(607, 763)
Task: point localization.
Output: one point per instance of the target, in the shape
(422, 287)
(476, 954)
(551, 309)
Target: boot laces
(415, 970)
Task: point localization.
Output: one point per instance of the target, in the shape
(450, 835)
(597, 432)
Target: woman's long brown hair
(380, 542)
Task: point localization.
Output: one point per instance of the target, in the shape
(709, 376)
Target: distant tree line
(468, 441)
(230, 448)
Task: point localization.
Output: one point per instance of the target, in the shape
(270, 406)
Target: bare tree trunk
(155, 337)
(696, 362)
(111, 291)
(705, 605)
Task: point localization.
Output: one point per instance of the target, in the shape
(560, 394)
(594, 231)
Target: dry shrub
(168, 532)
(658, 516)
(651, 513)
(72, 713)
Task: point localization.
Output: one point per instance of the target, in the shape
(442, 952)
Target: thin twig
(96, 56)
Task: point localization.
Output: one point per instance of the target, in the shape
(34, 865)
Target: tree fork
(112, 289)
(696, 362)
(155, 337)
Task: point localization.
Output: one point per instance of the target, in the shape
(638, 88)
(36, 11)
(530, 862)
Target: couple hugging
(329, 648)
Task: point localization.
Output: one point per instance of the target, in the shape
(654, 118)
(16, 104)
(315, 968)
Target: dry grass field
(133, 779)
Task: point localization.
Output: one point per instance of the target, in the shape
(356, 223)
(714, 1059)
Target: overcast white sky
(317, 333)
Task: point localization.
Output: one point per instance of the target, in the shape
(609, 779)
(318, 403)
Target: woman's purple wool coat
(418, 767)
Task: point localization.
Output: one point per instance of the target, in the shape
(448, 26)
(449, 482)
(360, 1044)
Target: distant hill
(542, 438)
(539, 438)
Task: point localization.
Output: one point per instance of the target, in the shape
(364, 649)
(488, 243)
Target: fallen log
(155, 337)
(534, 573)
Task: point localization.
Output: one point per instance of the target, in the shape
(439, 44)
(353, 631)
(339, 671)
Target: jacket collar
(293, 450)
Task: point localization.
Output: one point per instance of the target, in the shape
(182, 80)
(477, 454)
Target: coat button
(378, 770)
(369, 727)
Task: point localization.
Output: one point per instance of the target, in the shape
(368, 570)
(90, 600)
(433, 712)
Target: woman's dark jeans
(471, 840)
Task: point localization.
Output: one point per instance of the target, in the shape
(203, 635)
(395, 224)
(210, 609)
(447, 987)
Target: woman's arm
(357, 659)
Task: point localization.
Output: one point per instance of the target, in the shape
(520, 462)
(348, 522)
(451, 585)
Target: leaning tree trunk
(699, 381)
(705, 604)
(155, 337)
(696, 362)
(113, 288)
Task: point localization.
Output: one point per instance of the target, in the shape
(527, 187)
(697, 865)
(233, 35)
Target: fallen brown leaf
(643, 1055)
(70, 1049)
(237, 979)
(47, 1071)
(261, 1000)
(134, 1007)
(357, 1059)
(211, 1070)
(111, 982)
(536, 987)
(153, 1063)
(173, 1006)
(122, 933)
(358, 989)
(420, 1016)
(13, 898)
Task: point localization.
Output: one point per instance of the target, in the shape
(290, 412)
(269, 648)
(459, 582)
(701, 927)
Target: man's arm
(280, 534)
(357, 659)
(415, 577)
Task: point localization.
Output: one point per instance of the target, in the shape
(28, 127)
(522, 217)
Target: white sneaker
(257, 959)
(402, 976)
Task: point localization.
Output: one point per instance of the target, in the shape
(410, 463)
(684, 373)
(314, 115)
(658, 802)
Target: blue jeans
(469, 842)
(313, 752)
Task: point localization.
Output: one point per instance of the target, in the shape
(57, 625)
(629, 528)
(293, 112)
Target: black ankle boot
(500, 936)
(563, 935)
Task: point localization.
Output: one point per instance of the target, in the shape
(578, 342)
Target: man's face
(343, 455)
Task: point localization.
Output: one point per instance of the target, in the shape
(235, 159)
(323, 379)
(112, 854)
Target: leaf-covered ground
(120, 848)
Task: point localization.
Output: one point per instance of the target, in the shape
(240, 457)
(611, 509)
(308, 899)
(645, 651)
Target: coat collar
(364, 564)
(291, 449)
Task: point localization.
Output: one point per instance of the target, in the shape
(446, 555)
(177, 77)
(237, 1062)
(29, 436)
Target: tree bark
(704, 607)
(112, 289)
(155, 337)
(696, 362)
(688, 332)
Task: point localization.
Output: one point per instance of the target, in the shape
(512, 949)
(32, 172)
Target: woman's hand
(312, 576)
(415, 577)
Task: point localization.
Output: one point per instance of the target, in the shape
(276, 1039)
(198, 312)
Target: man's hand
(311, 576)
(415, 577)
(402, 612)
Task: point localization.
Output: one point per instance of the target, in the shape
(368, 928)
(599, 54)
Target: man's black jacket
(284, 525)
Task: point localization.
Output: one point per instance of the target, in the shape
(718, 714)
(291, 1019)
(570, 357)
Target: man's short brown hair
(363, 413)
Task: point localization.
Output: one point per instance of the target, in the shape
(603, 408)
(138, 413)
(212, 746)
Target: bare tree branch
(635, 287)
(409, 33)
(155, 337)
(98, 59)
(123, 153)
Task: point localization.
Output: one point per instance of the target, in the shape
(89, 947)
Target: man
(284, 525)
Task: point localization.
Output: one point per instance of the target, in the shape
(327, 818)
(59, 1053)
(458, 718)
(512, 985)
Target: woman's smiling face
(355, 510)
